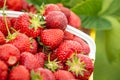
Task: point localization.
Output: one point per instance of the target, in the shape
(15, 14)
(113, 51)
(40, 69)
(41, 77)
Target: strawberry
(44, 74)
(56, 19)
(17, 5)
(51, 7)
(40, 56)
(32, 9)
(3, 28)
(74, 20)
(29, 24)
(68, 35)
(52, 37)
(33, 46)
(67, 48)
(28, 60)
(66, 11)
(2, 38)
(13, 20)
(3, 71)
(1, 3)
(19, 73)
(25, 5)
(85, 46)
(10, 54)
(21, 41)
(63, 75)
(81, 65)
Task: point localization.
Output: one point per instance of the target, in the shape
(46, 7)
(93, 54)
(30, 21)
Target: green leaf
(113, 9)
(35, 2)
(89, 13)
(95, 22)
(113, 40)
(88, 7)
(53, 1)
(71, 3)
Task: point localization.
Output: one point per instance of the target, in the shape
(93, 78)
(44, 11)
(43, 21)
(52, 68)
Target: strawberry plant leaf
(89, 12)
(35, 2)
(95, 22)
(112, 40)
(113, 9)
(71, 3)
(88, 7)
(53, 1)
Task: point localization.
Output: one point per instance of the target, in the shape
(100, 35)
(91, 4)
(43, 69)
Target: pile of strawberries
(37, 47)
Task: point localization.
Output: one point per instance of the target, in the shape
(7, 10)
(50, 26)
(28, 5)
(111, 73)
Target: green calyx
(52, 65)
(76, 66)
(35, 75)
(41, 9)
(36, 21)
(12, 36)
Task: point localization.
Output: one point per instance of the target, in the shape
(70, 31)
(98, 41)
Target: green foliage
(89, 13)
(88, 7)
(112, 41)
(104, 70)
(113, 9)
(95, 22)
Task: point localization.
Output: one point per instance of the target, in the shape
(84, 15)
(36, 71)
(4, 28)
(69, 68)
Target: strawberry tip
(12, 60)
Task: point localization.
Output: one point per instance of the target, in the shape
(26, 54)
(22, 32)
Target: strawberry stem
(4, 15)
(52, 65)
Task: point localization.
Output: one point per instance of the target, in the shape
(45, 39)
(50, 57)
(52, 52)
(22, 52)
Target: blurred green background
(104, 17)
(105, 70)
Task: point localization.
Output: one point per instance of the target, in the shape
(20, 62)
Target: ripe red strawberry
(51, 7)
(10, 54)
(44, 74)
(28, 60)
(81, 65)
(74, 20)
(13, 20)
(67, 48)
(33, 46)
(3, 28)
(2, 38)
(1, 3)
(68, 35)
(32, 9)
(56, 19)
(40, 56)
(19, 73)
(85, 46)
(63, 75)
(30, 25)
(3, 71)
(14, 5)
(52, 37)
(21, 41)
(66, 11)
(25, 5)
